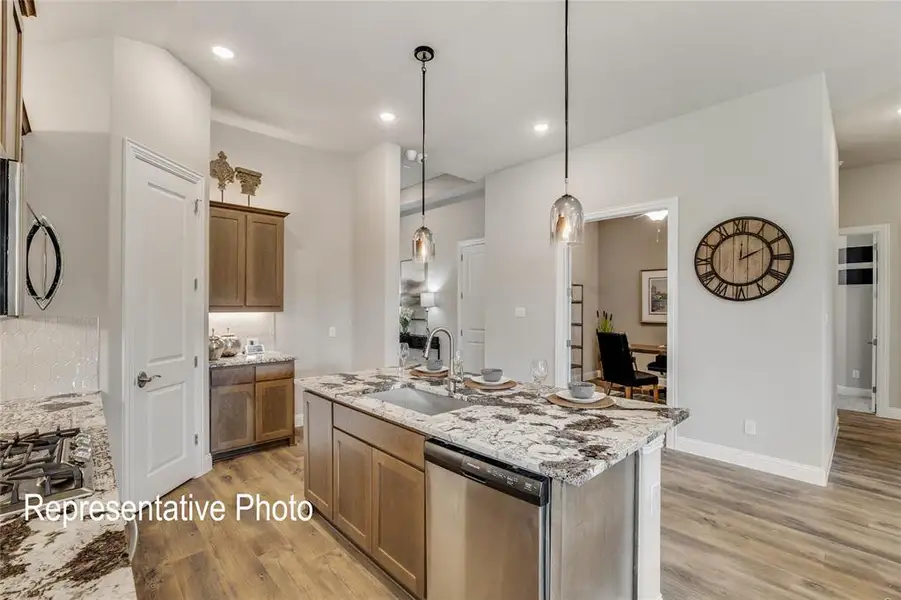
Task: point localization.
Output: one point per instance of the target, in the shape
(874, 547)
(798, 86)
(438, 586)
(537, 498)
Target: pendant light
(423, 244)
(567, 216)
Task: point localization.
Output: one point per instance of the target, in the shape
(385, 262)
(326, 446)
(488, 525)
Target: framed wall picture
(653, 297)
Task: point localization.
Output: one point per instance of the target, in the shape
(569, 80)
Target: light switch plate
(332, 332)
(519, 312)
(750, 427)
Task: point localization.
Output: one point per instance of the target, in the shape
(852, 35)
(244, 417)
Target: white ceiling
(321, 72)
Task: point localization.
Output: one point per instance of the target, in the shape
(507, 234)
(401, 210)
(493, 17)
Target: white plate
(569, 397)
(425, 369)
(481, 381)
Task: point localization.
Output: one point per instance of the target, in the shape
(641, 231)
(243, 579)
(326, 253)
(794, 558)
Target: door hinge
(196, 439)
(195, 284)
(196, 206)
(461, 333)
(461, 295)
(461, 258)
(195, 362)
(874, 389)
(569, 343)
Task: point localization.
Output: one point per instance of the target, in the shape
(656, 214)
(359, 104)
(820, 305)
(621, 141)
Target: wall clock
(744, 258)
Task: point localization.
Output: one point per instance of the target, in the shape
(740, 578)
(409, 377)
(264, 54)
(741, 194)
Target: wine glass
(539, 371)
(403, 353)
(458, 364)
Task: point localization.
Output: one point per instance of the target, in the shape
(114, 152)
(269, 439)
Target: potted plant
(405, 316)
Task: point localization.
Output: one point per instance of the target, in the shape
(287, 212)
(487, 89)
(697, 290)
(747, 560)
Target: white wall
(769, 154)
(88, 94)
(317, 188)
(449, 224)
(872, 196)
(376, 256)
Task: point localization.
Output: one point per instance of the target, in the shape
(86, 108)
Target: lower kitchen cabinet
(398, 520)
(274, 410)
(231, 417)
(353, 488)
(248, 408)
(317, 439)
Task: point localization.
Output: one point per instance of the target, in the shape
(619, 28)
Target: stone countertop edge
(240, 360)
(86, 559)
(517, 426)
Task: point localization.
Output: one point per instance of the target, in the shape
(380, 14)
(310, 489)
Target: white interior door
(163, 317)
(874, 336)
(471, 312)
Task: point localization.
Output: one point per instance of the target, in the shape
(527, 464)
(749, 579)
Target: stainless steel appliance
(57, 465)
(486, 527)
(12, 239)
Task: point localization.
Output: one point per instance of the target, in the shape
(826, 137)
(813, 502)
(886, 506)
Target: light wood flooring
(728, 533)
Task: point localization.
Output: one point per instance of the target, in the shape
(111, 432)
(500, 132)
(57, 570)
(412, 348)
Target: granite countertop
(86, 559)
(517, 426)
(269, 356)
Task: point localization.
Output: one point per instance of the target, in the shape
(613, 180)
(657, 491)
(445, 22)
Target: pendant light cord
(566, 98)
(422, 160)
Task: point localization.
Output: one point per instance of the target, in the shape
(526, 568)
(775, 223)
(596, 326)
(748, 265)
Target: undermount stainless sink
(422, 402)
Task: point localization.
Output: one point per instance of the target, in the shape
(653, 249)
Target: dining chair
(617, 366)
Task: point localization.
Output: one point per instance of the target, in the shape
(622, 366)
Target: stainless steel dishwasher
(486, 527)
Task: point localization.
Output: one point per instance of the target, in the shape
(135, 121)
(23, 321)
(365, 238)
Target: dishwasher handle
(530, 487)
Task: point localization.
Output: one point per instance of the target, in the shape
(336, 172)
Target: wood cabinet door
(228, 247)
(317, 462)
(353, 489)
(274, 409)
(398, 520)
(231, 417)
(265, 261)
(11, 92)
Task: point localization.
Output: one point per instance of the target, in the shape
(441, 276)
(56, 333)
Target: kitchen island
(603, 537)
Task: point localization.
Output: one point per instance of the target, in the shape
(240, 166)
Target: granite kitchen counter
(269, 356)
(87, 559)
(517, 426)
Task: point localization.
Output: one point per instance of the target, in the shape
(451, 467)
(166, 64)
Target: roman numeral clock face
(744, 258)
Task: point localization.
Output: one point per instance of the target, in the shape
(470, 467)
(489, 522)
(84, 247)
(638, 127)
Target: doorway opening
(628, 269)
(861, 320)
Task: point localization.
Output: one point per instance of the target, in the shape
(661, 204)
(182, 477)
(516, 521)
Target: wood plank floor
(728, 533)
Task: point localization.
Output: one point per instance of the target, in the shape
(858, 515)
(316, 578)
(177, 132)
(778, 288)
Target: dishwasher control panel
(509, 479)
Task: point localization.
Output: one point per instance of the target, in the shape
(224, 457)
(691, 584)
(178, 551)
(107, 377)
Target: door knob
(143, 379)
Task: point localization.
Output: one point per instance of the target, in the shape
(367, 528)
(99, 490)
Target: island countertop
(86, 559)
(518, 426)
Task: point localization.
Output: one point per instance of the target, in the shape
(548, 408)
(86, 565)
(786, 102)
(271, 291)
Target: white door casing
(163, 321)
(471, 304)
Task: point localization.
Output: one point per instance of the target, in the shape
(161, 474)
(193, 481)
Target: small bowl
(434, 364)
(581, 389)
(492, 375)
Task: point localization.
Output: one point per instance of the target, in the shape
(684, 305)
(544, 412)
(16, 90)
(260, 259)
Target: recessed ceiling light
(223, 52)
(387, 117)
(541, 127)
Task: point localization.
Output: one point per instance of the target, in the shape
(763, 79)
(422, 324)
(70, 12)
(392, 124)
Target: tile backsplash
(42, 357)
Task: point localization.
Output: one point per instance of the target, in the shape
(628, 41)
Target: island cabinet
(377, 482)
(247, 258)
(250, 408)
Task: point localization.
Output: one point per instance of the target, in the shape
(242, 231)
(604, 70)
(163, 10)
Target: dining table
(648, 348)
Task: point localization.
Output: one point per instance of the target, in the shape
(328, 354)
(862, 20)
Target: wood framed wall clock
(745, 258)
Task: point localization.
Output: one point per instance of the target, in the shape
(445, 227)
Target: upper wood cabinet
(247, 258)
(11, 81)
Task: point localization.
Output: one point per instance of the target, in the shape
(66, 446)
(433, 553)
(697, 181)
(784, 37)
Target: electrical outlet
(855, 374)
(332, 332)
(519, 312)
(750, 427)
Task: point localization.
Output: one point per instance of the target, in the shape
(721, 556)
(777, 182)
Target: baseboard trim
(298, 420)
(853, 391)
(889, 412)
(831, 452)
(207, 465)
(758, 462)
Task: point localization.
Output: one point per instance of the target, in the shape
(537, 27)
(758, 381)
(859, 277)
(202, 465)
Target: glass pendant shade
(567, 220)
(423, 245)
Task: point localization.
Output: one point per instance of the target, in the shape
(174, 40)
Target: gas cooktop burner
(55, 465)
